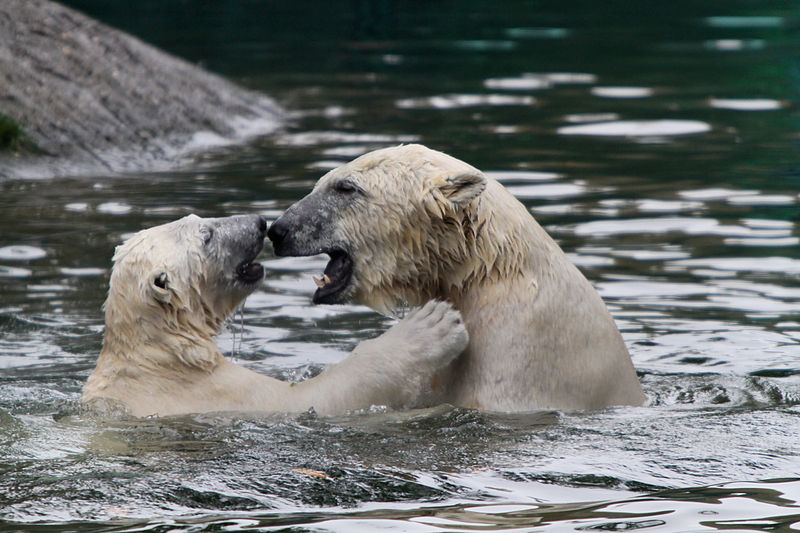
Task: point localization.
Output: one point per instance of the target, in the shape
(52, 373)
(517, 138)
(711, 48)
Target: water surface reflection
(678, 199)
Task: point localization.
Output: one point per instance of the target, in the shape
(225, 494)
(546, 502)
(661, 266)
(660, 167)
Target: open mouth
(249, 272)
(335, 279)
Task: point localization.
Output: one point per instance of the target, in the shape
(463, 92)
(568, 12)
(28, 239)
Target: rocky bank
(77, 97)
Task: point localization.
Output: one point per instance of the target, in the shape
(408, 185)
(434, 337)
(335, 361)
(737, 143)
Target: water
(657, 144)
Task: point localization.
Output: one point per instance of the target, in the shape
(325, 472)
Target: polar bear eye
(160, 281)
(345, 186)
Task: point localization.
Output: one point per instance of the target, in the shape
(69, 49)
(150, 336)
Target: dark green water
(657, 142)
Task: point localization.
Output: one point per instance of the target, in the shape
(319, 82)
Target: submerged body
(407, 224)
(172, 289)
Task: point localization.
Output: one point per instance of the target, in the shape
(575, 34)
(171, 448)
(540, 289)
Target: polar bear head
(401, 225)
(173, 286)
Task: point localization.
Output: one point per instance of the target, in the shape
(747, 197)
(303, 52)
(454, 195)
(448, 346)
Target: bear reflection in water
(172, 289)
(407, 224)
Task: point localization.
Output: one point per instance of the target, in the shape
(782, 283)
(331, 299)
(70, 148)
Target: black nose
(277, 232)
(262, 224)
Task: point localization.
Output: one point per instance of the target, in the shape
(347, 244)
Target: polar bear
(406, 224)
(172, 289)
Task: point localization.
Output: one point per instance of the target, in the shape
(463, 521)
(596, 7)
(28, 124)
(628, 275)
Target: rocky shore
(78, 97)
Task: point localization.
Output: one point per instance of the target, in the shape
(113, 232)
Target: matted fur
(423, 225)
(171, 291)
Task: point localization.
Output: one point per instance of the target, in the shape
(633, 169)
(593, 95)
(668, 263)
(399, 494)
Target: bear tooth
(322, 282)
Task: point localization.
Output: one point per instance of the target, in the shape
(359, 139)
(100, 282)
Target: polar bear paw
(434, 333)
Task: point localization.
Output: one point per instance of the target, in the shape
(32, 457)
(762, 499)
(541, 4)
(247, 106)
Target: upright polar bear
(172, 289)
(407, 224)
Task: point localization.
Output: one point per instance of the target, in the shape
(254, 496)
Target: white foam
(203, 140)
(253, 126)
(161, 153)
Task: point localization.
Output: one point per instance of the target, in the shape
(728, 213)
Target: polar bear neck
(497, 247)
(154, 341)
(455, 254)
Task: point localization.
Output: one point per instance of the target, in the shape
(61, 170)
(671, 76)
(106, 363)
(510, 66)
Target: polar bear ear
(159, 286)
(463, 188)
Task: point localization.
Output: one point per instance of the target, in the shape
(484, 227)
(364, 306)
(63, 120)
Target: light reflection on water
(685, 219)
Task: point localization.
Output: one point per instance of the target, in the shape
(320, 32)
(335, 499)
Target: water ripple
(455, 101)
(21, 252)
(637, 128)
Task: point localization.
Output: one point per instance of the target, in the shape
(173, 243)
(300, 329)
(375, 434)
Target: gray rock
(93, 99)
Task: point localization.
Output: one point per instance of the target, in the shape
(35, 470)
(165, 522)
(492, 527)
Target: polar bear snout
(248, 272)
(308, 228)
(281, 235)
(236, 241)
(305, 228)
(277, 233)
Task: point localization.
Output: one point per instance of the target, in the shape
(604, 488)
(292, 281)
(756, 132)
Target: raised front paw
(434, 332)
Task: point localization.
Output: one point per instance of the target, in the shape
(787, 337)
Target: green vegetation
(13, 138)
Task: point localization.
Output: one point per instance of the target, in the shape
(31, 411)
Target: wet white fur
(431, 226)
(159, 355)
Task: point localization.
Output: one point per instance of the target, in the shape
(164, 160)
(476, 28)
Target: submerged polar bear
(407, 224)
(173, 287)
